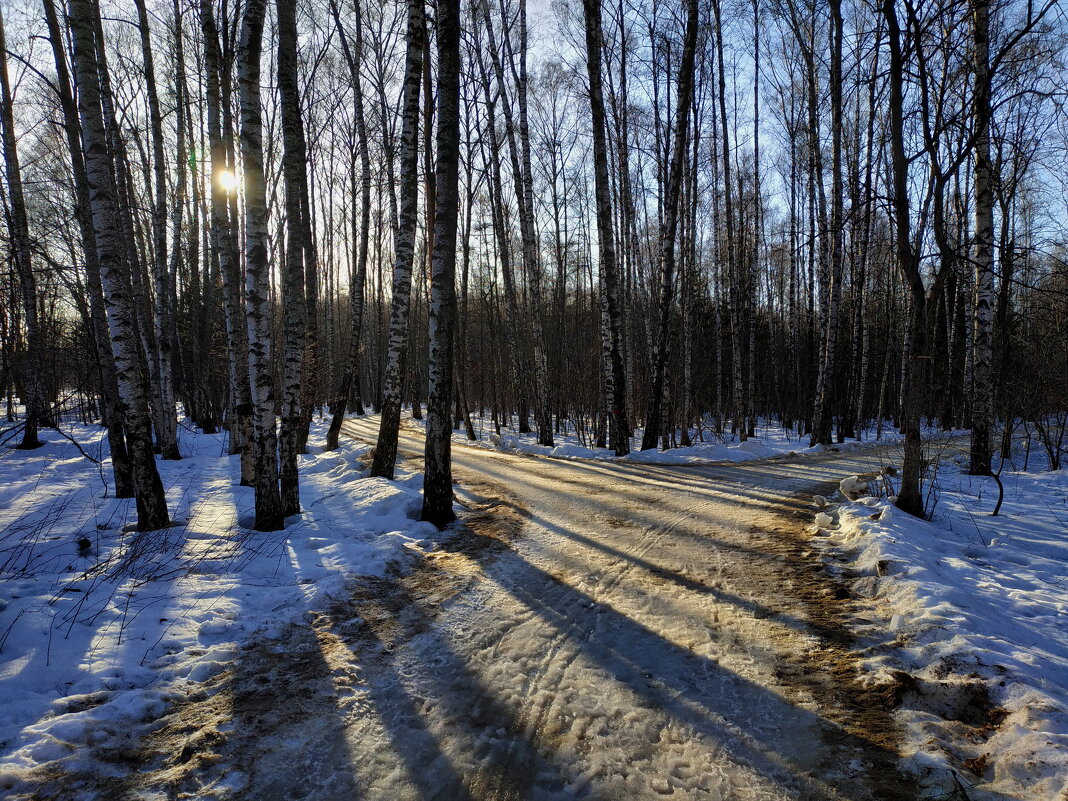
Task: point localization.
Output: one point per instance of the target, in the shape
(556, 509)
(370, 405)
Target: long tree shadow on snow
(663, 573)
(457, 741)
(757, 727)
(804, 754)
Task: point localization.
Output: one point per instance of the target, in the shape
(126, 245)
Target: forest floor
(591, 629)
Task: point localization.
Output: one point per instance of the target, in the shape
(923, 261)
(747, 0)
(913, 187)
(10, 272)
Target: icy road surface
(600, 630)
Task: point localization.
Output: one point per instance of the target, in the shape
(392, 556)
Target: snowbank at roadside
(102, 627)
(726, 451)
(771, 440)
(966, 619)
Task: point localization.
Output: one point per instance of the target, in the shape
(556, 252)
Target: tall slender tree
(517, 136)
(607, 264)
(910, 494)
(109, 386)
(166, 422)
(361, 229)
(222, 235)
(669, 227)
(833, 235)
(298, 238)
(437, 476)
(116, 268)
(982, 409)
(18, 226)
(269, 509)
(385, 459)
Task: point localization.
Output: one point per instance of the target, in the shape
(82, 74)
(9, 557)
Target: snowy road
(613, 631)
(600, 630)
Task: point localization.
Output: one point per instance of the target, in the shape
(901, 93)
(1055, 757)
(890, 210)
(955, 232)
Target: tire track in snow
(563, 649)
(684, 751)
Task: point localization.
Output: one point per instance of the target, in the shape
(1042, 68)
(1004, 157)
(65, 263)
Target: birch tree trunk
(162, 315)
(116, 268)
(294, 305)
(269, 510)
(361, 235)
(18, 226)
(194, 381)
(223, 239)
(404, 247)
(831, 242)
(130, 236)
(982, 388)
(437, 475)
(619, 433)
(109, 387)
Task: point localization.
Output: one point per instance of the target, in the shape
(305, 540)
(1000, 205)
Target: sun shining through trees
(640, 255)
(227, 181)
(644, 232)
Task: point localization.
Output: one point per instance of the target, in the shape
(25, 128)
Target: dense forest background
(673, 218)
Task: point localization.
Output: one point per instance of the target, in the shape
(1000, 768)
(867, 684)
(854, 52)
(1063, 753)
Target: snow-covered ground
(967, 621)
(964, 619)
(101, 627)
(771, 439)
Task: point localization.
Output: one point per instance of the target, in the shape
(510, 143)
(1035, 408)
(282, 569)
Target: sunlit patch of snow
(769, 441)
(98, 637)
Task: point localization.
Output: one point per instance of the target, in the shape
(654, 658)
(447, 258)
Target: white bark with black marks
(116, 269)
(437, 475)
(109, 386)
(404, 247)
(982, 388)
(294, 305)
(269, 514)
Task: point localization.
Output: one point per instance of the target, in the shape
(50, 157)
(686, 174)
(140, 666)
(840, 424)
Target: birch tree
(115, 266)
(223, 239)
(350, 375)
(983, 349)
(404, 246)
(619, 433)
(18, 227)
(109, 388)
(269, 509)
(166, 424)
(298, 235)
(437, 476)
